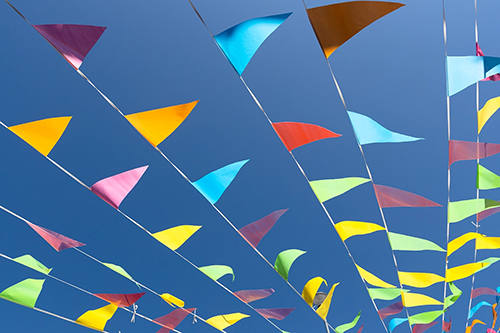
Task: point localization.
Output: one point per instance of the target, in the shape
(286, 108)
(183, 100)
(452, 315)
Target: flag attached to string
(347, 229)
(121, 300)
(173, 238)
(392, 197)
(459, 210)
(463, 71)
(480, 53)
(97, 319)
(32, 263)
(255, 231)
(465, 150)
(248, 296)
(390, 310)
(171, 320)
(311, 288)
(327, 189)
(284, 261)
(278, 314)
(57, 241)
(215, 272)
(294, 135)
(222, 321)
(25, 292)
(489, 108)
(324, 308)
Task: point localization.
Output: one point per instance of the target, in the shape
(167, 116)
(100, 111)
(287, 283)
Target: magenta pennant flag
(484, 214)
(391, 310)
(171, 320)
(254, 232)
(466, 150)
(484, 291)
(248, 296)
(121, 300)
(279, 314)
(57, 241)
(72, 41)
(392, 197)
(115, 188)
(361, 328)
(420, 328)
(480, 53)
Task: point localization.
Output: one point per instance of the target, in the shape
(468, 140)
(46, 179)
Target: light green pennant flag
(330, 188)
(490, 261)
(348, 326)
(285, 260)
(401, 242)
(32, 263)
(425, 317)
(486, 180)
(455, 294)
(386, 294)
(459, 210)
(215, 272)
(25, 292)
(121, 271)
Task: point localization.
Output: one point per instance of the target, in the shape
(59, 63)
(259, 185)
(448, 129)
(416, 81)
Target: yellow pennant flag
(170, 299)
(411, 300)
(463, 271)
(223, 321)
(486, 112)
(484, 243)
(97, 319)
(461, 241)
(42, 134)
(157, 125)
(325, 306)
(174, 237)
(372, 279)
(419, 280)
(311, 288)
(347, 229)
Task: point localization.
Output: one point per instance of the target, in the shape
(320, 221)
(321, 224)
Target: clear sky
(158, 53)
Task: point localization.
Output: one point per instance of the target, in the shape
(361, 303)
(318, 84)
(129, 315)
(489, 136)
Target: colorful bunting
(174, 237)
(455, 295)
(25, 292)
(295, 135)
(119, 270)
(390, 310)
(484, 291)
(311, 288)
(32, 263)
(483, 115)
(469, 329)
(486, 179)
(57, 241)
(477, 307)
(372, 279)
(458, 242)
(347, 229)
(327, 189)
(465, 150)
(419, 280)
(213, 185)
(462, 72)
(284, 261)
(255, 231)
(42, 134)
(323, 309)
(348, 326)
(412, 300)
(121, 300)
(425, 317)
(215, 272)
(392, 197)
(463, 271)
(97, 319)
(172, 300)
(222, 321)
(240, 42)
(420, 328)
(248, 296)
(278, 314)
(156, 125)
(401, 242)
(174, 318)
(386, 294)
(459, 210)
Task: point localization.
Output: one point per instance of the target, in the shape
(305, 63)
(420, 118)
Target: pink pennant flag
(121, 300)
(248, 296)
(447, 326)
(466, 150)
(392, 197)
(391, 310)
(420, 328)
(480, 53)
(72, 41)
(254, 232)
(57, 241)
(115, 188)
(295, 135)
(361, 328)
(484, 214)
(279, 314)
(171, 320)
(490, 330)
(484, 291)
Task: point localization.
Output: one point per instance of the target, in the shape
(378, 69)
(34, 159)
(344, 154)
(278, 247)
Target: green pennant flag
(348, 326)
(25, 292)
(459, 210)
(401, 242)
(32, 263)
(386, 294)
(455, 294)
(330, 188)
(285, 260)
(215, 272)
(486, 179)
(490, 261)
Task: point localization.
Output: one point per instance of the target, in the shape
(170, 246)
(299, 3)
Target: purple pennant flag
(248, 296)
(484, 291)
(171, 320)
(275, 313)
(391, 310)
(420, 328)
(254, 232)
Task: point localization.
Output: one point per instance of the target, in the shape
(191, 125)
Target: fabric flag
(419, 280)
(459, 210)
(455, 295)
(156, 125)
(487, 262)
(72, 41)
(463, 271)
(390, 310)
(284, 261)
(372, 279)
(42, 134)
(327, 189)
(458, 242)
(347, 229)
(170, 299)
(369, 131)
(323, 309)
(295, 135)
(240, 42)
(121, 300)
(311, 288)
(215, 272)
(248, 296)
(174, 237)
(484, 291)
(278, 314)
(336, 24)
(386, 294)
(361, 328)
(483, 115)
(486, 179)
(471, 327)
(57, 241)
(119, 270)
(467, 70)
(412, 300)
(213, 185)
(495, 315)
(115, 188)
(447, 326)
(348, 326)
(171, 320)
(32, 263)
(222, 321)
(487, 243)
(255, 231)
(395, 322)
(484, 214)
(392, 197)
(25, 292)
(97, 319)
(425, 317)
(494, 77)
(401, 242)
(477, 307)
(466, 150)
(420, 328)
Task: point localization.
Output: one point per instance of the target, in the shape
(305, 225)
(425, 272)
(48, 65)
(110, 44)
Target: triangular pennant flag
(119, 270)
(32, 263)
(121, 300)
(323, 309)
(477, 307)
(372, 279)
(174, 318)
(455, 295)
(347, 229)
(495, 316)
(213, 185)
(487, 243)
(459, 210)
(97, 319)
(336, 24)
(390, 310)
(348, 326)
(463, 271)
(174, 237)
(386, 294)
(222, 321)
(327, 189)
(487, 263)
(461, 72)
(284, 261)
(465, 150)
(419, 280)
(468, 329)
(369, 131)
(215, 272)
(446, 326)
(25, 292)
(57, 241)
(361, 328)
(392, 197)
(486, 179)
(489, 108)
(461, 241)
(425, 317)
(240, 42)
(494, 77)
(72, 41)
(115, 188)
(412, 300)
(171, 299)
(255, 231)
(248, 296)
(278, 314)
(484, 291)
(42, 134)
(486, 213)
(295, 135)
(401, 242)
(156, 125)
(420, 328)
(311, 288)
(395, 322)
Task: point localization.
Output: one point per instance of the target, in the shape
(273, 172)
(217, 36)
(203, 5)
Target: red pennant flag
(393, 197)
(248, 296)
(465, 150)
(486, 213)
(420, 328)
(447, 326)
(121, 300)
(254, 232)
(391, 310)
(72, 41)
(279, 314)
(361, 328)
(171, 320)
(484, 291)
(295, 135)
(57, 241)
